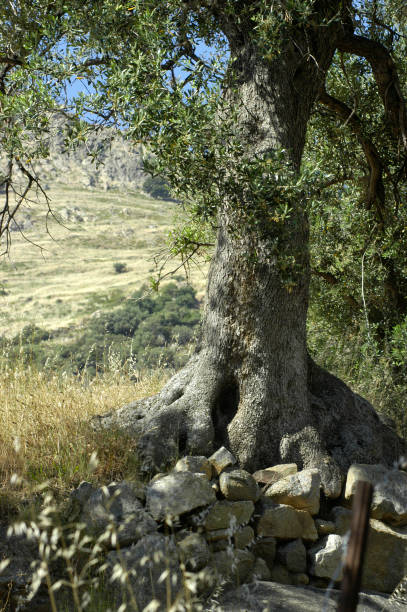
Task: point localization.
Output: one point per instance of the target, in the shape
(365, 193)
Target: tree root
(200, 409)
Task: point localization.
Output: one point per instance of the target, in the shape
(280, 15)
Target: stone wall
(208, 522)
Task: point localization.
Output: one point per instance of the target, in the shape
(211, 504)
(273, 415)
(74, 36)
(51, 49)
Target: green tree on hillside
(227, 131)
(157, 188)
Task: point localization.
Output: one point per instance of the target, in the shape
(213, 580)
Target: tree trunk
(251, 385)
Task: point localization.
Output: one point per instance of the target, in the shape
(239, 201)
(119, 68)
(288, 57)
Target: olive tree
(228, 133)
(222, 92)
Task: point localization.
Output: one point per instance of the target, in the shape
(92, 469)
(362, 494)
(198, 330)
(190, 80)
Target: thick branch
(375, 192)
(11, 61)
(333, 280)
(386, 77)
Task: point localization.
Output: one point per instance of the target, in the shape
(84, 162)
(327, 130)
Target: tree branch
(333, 280)
(386, 77)
(375, 191)
(11, 61)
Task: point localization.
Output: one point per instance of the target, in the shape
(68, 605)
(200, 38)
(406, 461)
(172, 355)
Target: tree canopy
(221, 93)
(158, 70)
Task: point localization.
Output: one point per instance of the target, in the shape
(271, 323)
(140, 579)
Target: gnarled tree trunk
(251, 385)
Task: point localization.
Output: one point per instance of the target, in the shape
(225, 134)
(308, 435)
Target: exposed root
(202, 408)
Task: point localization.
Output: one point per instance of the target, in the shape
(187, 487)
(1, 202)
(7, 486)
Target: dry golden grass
(48, 415)
(57, 287)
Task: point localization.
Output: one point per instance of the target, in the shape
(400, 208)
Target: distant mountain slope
(119, 164)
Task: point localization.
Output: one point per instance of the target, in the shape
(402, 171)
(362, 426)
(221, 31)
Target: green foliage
(147, 331)
(358, 233)
(32, 334)
(376, 371)
(157, 188)
(144, 71)
(120, 267)
(399, 345)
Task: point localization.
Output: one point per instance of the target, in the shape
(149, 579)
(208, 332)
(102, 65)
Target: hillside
(57, 278)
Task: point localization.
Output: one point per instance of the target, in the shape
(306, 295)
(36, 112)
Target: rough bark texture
(251, 385)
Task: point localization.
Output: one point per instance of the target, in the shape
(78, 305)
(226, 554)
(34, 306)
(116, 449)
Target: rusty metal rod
(352, 573)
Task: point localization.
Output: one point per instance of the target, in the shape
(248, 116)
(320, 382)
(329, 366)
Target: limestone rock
(326, 557)
(385, 561)
(194, 464)
(84, 491)
(194, 552)
(239, 485)
(272, 474)
(222, 538)
(219, 545)
(324, 527)
(222, 459)
(243, 537)
(294, 556)
(260, 570)
(279, 573)
(225, 515)
(390, 491)
(177, 493)
(158, 476)
(300, 579)
(219, 534)
(265, 548)
(301, 490)
(118, 505)
(286, 523)
(341, 518)
(77, 499)
(145, 563)
(235, 565)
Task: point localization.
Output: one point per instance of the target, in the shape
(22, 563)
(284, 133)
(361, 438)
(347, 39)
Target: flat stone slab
(273, 597)
(272, 474)
(178, 493)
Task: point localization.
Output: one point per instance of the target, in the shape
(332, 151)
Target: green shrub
(32, 334)
(376, 372)
(147, 330)
(157, 188)
(120, 267)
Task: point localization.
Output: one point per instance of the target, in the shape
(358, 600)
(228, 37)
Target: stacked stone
(207, 514)
(209, 518)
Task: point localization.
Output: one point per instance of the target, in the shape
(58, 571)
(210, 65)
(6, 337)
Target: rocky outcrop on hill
(117, 165)
(208, 524)
(106, 161)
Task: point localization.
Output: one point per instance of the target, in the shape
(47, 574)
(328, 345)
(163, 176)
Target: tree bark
(251, 385)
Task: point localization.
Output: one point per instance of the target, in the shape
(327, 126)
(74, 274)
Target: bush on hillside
(120, 267)
(157, 188)
(31, 334)
(147, 330)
